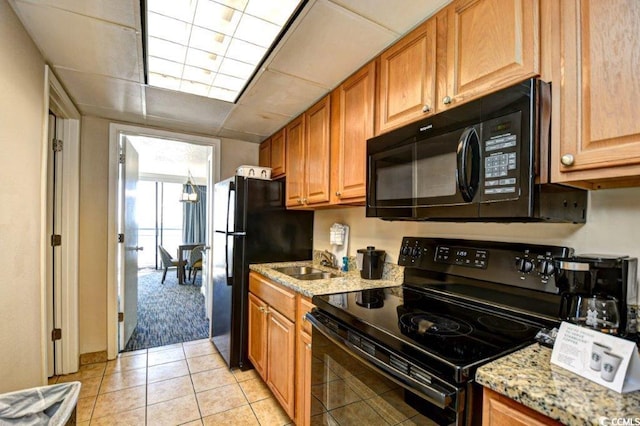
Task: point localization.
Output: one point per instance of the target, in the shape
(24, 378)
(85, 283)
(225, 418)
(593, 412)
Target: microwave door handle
(469, 144)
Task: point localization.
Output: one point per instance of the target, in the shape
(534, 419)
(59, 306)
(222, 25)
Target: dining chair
(195, 262)
(167, 261)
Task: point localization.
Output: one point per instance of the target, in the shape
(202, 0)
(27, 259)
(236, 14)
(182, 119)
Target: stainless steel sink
(305, 273)
(316, 276)
(297, 270)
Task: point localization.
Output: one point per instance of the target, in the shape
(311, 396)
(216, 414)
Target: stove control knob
(415, 252)
(524, 265)
(406, 250)
(546, 267)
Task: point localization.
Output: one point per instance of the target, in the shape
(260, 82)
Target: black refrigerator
(251, 226)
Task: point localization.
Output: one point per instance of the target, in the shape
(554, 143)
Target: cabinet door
(264, 155)
(281, 359)
(599, 136)
(353, 103)
(490, 44)
(295, 158)
(498, 410)
(406, 83)
(257, 348)
(278, 154)
(318, 152)
(303, 379)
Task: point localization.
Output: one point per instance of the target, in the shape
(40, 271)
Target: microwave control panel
(501, 146)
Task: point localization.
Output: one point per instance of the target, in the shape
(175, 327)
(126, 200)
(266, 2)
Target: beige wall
(94, 199)
(21, 134)
(236, 153)
(613, 226)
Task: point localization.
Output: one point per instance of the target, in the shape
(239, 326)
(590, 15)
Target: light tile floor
(181, 384)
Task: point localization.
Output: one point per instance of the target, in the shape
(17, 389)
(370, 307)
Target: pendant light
(190, 193)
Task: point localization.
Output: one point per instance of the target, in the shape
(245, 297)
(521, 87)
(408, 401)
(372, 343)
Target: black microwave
(486, 160)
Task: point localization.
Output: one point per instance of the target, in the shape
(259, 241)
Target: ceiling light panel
(211, 47)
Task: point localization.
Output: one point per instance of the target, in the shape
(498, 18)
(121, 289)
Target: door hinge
(120, 316)
(56, 240)
(56, 334)
(121, 158)
(121, 238)
(56, 145)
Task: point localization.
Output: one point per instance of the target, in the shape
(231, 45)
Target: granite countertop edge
(347, 281)
(528, 377)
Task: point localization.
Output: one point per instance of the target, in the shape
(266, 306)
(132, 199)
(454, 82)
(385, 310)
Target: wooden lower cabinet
(499, 410)
(257, 348)
(281, 359)
(280, 344)
(272, 337)
(303, 361)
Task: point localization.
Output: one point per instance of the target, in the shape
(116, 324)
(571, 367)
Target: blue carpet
(167, 313)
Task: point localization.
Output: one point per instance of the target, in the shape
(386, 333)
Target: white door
(207, 264)
(128, 294)
(54, 255)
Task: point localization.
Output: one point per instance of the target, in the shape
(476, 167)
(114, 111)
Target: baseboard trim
(93, 357)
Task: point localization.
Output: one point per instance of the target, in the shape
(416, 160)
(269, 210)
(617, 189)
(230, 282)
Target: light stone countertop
(528, 377)
(348, 281)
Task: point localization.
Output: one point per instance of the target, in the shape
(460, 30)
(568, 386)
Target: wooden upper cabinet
(406, 81)
(490, 44)
(597, 141)
(264, 155)
(295, 155)
(278, 148)
(352, 108)
(318, 152)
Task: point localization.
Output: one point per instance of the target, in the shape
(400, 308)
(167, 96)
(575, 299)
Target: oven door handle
(442, 399)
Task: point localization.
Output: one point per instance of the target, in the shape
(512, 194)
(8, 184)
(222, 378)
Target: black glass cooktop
(455, 332)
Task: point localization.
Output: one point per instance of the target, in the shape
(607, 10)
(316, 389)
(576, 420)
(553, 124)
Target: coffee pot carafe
(599, 291)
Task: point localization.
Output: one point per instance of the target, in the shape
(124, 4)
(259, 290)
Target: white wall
(21, 133)
(613, 226)
(234, 153)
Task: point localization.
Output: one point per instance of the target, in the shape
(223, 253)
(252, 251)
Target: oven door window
(346, 391)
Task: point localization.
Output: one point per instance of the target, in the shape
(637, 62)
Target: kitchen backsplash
(613, 227)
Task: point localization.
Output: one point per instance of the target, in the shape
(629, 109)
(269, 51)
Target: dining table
(182, 260)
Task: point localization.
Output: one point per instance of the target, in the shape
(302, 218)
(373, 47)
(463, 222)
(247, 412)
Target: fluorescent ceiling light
(211, 48)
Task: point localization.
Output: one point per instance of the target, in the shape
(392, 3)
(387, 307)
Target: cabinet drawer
(304, 306)
(278, 297)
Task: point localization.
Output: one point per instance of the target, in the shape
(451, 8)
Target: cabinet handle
(567, 159)
(338, 194)
(308, 346)
(447, 100)
(304, 201)
(299, 200)
(261, 309)
(426, 108)
(304, 317)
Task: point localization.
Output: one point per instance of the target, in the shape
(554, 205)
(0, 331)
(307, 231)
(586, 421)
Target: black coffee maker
(596, 288)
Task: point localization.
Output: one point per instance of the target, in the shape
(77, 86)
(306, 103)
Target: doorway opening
(154, 305)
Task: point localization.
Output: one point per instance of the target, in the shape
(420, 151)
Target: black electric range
(462, 304)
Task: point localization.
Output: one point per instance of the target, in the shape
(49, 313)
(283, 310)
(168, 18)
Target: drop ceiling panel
(398, 15)
(242, 136)
(99, 90)
(288, 94)
(110, 114)
(184, 107)
(330, 44)
(246, 118)
(123, 12)
(82, 43)
(193, 126)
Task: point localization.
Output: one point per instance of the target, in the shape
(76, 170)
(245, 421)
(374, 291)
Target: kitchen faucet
(328, 259)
